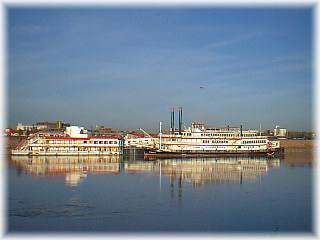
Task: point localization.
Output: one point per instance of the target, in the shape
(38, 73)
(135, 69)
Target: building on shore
(100, 130)
(280, 132)
(57, 125)
(22, 127)
(41, 126)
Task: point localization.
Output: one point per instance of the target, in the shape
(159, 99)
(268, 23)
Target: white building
(76, 132)
(41, 127)
(22, 127)
(280, 132)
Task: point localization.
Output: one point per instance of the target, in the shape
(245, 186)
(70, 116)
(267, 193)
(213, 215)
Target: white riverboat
(74, 141)
(200, 139)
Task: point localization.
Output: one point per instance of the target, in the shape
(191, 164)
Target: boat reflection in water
(74, 168)
(196, 171)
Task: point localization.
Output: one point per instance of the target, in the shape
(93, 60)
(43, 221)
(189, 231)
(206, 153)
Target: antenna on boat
(260, 129)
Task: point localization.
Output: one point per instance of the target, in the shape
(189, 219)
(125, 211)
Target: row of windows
(216, 135)
(138, 141)
(198, 140)
(181, 140)
(254, 141)
(183, 134)
(173, 139)
(186, 134)
(100, 142)
(225, 134)
(222, 141)
(86, 142)
(215, 141)
(70, 149)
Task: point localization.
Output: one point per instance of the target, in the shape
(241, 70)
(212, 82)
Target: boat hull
(187, 154)
(27, 153)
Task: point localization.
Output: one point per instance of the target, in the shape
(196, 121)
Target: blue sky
(126, 67)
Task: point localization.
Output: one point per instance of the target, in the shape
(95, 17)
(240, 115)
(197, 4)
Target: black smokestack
(240, 130)
(181, 117)
(180, 120)
(173, 119)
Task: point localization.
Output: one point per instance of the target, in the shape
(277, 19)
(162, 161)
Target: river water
(109, 194)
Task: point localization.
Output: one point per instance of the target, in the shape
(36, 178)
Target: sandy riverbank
(297, 144)
(298, 152)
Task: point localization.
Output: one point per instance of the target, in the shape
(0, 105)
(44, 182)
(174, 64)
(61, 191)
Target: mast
(144, 132)
(170, 120)
(160, 135)
(260, 129)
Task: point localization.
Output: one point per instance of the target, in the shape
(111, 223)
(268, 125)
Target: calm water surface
(204, 195)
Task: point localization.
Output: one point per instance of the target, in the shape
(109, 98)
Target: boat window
(95, 142)
(84, 141)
